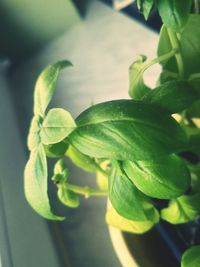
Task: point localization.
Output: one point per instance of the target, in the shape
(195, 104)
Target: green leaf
(189, 47)
(145, 7)
(174, 13)
(56, 150)
(82, 161)
(183, 209)
(35, 184)
(60, 171)
(126, 130)
(137, 227)
(57, 125)
(137, 88)
(163, 178)
(45, 86)
(174, 96)
(125, 197)
(34, 132)
(191, 257)
(67, 197)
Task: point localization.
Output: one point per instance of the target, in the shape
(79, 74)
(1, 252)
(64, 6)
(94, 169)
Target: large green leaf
(174, 13)
(183, 209)
(125, 197)
(45, 86)
(145, 7)
(137, 87)
(35, 184)
(174, 96)
(191, 257)
(137, 227)
(126, 129)
(57, 125)
(164, 178)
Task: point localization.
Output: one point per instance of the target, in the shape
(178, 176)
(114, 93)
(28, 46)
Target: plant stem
(161, 58)
(86, 191)
(101, 170)
(175, 45)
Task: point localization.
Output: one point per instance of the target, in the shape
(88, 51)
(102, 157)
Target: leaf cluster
(134, 146)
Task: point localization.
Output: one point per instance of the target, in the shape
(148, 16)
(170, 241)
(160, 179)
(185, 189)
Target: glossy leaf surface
(173, 96)
(125, 197)
(191, 257)
(126, 129)
(35, 184)
(164, 178)
(183, 209)
(57, 125)
(45, 86)
(174, 13)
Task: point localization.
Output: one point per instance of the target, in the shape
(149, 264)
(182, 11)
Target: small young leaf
(174, 96)
(191, 257)
(67, 197)
(35, 184)
(45, 86)
(165, 178)
(126, 130)
(82, 161)
(57, 125)
(137, 88)
(137, 227)
(174, 13)
(125, 197)
(61, 170)
(145, 7)
(183, 209)
(56, 150)
(34, 133)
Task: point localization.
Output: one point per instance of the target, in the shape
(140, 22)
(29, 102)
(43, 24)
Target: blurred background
(101, 42)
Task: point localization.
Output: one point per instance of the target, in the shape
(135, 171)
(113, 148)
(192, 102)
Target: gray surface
(24, 236)
(101, 48)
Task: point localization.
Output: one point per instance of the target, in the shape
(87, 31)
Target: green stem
(161, 58)
(175, 45)
(101, 170)
(86, 191)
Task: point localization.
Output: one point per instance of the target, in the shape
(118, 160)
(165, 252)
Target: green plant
(135, 146)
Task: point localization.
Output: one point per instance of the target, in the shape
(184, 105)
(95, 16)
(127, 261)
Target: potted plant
(145, 150)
